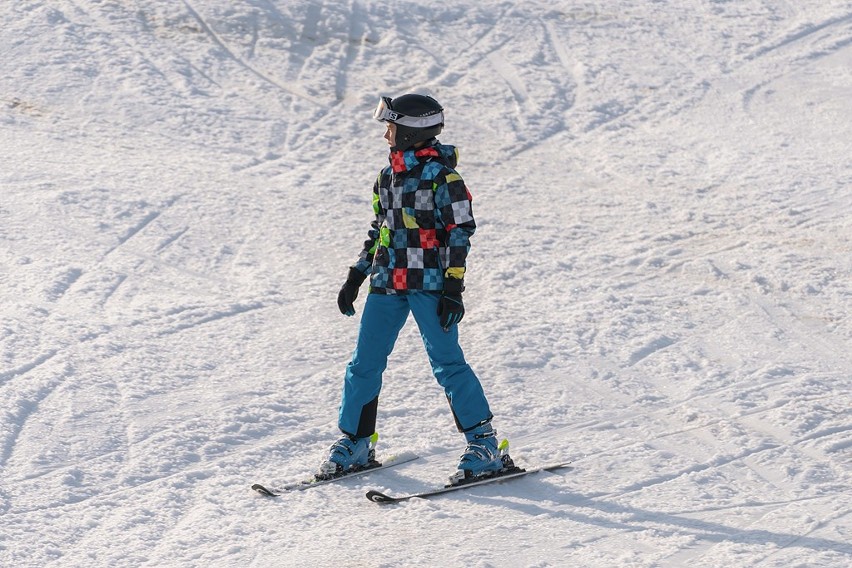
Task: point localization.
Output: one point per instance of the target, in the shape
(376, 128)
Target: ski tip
(264, 491)
(378, 497)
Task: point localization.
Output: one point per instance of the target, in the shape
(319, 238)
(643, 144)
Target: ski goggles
(385, 113)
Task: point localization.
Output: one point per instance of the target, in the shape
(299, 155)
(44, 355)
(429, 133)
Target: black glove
(450, 306)
(346, 296)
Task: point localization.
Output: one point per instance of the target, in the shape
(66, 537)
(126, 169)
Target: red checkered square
(428, 239)
(427, 151)
(400, 278)
(397, 160)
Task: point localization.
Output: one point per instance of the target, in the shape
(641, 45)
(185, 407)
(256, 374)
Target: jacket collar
(402, 161)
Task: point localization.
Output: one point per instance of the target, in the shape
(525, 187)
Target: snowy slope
(659, 289)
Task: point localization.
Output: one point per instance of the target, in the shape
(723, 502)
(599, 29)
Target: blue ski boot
(348, 454)
(483, 456)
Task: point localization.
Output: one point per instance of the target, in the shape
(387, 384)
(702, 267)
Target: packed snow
(659, 290)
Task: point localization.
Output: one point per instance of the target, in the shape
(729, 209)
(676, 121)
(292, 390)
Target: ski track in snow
(658, 289)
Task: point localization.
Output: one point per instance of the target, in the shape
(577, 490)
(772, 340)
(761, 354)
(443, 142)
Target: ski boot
(347, 455)
(483, 457)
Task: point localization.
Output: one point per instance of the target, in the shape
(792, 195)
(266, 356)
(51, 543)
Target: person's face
(390, 134)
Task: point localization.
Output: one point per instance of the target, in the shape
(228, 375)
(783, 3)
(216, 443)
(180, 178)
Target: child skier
(415, 256)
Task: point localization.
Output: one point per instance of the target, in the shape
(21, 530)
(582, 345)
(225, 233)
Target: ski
(317, 481)
(511, 473)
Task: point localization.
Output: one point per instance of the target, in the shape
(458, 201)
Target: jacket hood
(402, 161)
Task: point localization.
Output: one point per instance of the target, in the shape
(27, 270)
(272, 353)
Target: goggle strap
(383, 113)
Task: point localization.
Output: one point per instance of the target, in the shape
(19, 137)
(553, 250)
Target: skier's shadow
(570, 506)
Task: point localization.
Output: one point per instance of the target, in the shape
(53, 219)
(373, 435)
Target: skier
(415, 255)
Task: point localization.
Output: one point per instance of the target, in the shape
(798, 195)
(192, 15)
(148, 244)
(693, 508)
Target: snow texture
(660, 288)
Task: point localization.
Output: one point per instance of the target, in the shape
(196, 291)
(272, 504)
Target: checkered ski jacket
(424, 221)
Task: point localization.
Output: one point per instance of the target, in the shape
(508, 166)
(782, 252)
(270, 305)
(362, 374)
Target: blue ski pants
(381, 322)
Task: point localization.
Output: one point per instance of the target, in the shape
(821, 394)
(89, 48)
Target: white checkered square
(414, 257)
(445, 256)
(462, 212)
(424, 200)
(392, 221)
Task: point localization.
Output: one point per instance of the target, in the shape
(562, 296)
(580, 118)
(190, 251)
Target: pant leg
(461, 385)
(383, 318)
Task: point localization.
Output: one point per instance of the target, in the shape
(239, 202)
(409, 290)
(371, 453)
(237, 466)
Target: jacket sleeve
(365, 259)
(455, 212)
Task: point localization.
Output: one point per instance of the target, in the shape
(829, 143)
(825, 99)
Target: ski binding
(318, 480)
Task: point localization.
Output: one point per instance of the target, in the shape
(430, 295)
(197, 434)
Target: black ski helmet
(417, 117)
